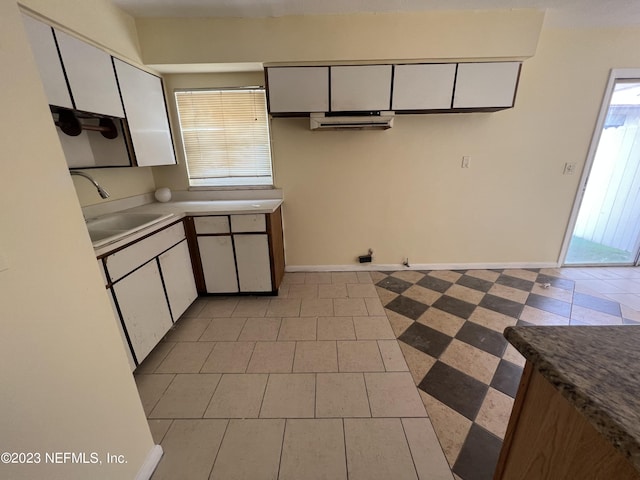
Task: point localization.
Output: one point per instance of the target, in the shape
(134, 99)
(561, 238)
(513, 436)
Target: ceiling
(568, 13)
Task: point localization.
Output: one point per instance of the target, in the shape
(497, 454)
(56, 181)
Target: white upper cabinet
(423, 87)
(146, 112)
(360, 88)
(46, 56)
(298, 89)
(91, 76)
(486, 85)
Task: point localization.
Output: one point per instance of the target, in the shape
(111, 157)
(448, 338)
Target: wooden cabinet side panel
(194, 251)
(552, 440)
(516, 411)
(276, 247)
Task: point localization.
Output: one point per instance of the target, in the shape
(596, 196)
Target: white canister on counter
(163, 194)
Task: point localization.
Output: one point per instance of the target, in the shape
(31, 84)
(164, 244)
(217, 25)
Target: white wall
(402, 191)
(100, 23)
(330, 38)
(66, 384)
(176, 177)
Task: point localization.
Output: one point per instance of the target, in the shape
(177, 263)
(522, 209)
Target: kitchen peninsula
(577, 411)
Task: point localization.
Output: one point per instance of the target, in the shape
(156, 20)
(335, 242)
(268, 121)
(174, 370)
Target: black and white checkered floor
(450, 324)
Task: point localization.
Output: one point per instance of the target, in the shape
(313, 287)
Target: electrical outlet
(569, 168)
(465, 162)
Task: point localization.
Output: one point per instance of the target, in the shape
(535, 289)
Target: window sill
(200, 188)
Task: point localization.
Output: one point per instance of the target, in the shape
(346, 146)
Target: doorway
(606, 223)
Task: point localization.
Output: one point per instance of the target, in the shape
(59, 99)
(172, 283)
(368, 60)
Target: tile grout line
(264, 394)
(346, 455)
(212, 394)
(284, 432)
(315, 395)
(413, 460)
(366, 389)
(205, 360)
(215, 458)
(163, 393)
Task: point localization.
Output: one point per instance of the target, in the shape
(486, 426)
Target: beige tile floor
(297, 386)
(620, 284)
(290, 387)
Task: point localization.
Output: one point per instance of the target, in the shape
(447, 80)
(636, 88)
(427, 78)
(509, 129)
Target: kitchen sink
(109, 228)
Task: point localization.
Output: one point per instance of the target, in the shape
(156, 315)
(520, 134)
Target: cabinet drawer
(130, 258)
(218, 224)
(248, 223)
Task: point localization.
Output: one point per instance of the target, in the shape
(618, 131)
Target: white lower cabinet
(177, 274)
(218, 264)
(116, 315)
(144, 308)
(152, 284)
(235, 256)
(252, 259)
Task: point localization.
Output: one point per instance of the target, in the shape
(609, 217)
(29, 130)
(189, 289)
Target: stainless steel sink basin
(109, 228)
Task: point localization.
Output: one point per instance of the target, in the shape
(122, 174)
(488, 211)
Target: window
(225, 134)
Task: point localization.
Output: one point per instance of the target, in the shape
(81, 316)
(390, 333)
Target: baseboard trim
(418, 266)
(150, 464)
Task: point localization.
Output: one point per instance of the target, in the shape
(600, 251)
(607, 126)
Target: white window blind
(225, 134)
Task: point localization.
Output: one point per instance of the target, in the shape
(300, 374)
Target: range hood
(360, 121)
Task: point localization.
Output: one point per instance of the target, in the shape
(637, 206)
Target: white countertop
(182, 209)
(209, 207)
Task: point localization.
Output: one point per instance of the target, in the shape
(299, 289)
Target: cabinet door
(298, 89)
(116, 317)
(144, 308)
(486, 85)
(146, 112)
(218, 264)
(91, 76)
(47, 59)
(360, 88)
(179, 283)
(254, 266)
(423, 87)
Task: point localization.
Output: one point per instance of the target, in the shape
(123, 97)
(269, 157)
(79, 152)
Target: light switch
(465, 162)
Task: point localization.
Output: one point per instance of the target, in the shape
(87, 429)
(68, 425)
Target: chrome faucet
(101, 191)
